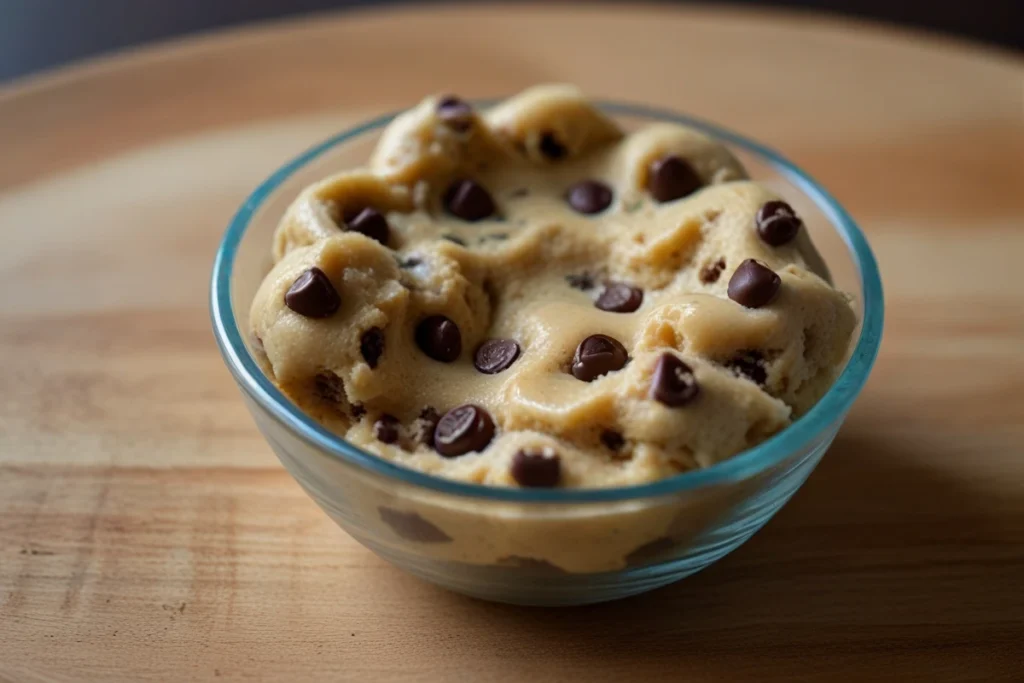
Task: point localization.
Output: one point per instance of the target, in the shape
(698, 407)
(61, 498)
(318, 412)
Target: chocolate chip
(372, 346)
(753, 285)
(749, 364)
(371, 223)
(618, 297)
(312, 295)
(710, 272)
(550, 147)
(439, 338)
(455, 239)
(358, 410)
(777, 223)
(425, 425)
(657, 548)
(385, 429)
(670, 177)
(495, 355)
(581, 281)
(469, 201)
(412, 527)
(410, 262)
(612, 440)
(598, 355)
(536, 468)
(455, 113)
(673, 383)
(589, 197)
(463, 429)
(329, 387)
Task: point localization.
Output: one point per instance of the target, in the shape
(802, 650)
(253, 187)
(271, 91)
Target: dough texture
(537, 271)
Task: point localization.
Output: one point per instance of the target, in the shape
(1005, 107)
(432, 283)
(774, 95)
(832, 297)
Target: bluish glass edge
(832, 406)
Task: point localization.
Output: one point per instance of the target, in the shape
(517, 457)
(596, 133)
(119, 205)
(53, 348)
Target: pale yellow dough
(509, 280)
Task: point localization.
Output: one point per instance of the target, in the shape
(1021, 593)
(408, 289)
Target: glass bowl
(535, 546)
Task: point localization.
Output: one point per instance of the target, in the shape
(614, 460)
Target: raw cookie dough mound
(533, 297)
(550, 123)
(349, 201)
(345, 313)
(440, 137)
(671, 161)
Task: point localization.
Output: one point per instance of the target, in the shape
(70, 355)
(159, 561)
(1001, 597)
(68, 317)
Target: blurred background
(42, 34)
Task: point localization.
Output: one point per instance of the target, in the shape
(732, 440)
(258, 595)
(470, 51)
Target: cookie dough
(531, 296)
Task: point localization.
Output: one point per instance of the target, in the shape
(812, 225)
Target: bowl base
(516, 586)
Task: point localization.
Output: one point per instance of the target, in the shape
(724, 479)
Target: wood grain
(148, 533)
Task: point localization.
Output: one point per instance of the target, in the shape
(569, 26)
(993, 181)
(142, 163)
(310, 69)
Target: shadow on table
(878, 560)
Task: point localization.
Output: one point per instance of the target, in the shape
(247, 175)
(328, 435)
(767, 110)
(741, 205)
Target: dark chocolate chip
(749, 364)
(495, 355)
(469, 201)
(550, 147)
(456, 113)
(455, 239)
(581, 281)
(425, 425)
(312, 295)
(673, 382)
(536, 468)
(598, 355)
(530, 564)
(412, 527)
(371, 223)
(710, 272)
(410, 262)
(385, 429)
(358, 410)
(463, 429)
(753, 285)
(671, 177)
(657, 548)
(612, 440)
(618, 297)
(372, 346)
(439, 338)
(777, 223)
(329, 387)
(589, 197)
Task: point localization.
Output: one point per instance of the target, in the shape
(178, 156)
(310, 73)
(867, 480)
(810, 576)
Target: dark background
(40, 34)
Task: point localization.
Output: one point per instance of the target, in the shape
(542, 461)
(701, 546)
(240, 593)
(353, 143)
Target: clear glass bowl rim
(833, 406)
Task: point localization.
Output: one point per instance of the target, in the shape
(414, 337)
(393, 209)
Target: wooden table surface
(148, 533)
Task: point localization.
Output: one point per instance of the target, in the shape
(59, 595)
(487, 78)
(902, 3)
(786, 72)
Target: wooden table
(148, 533)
